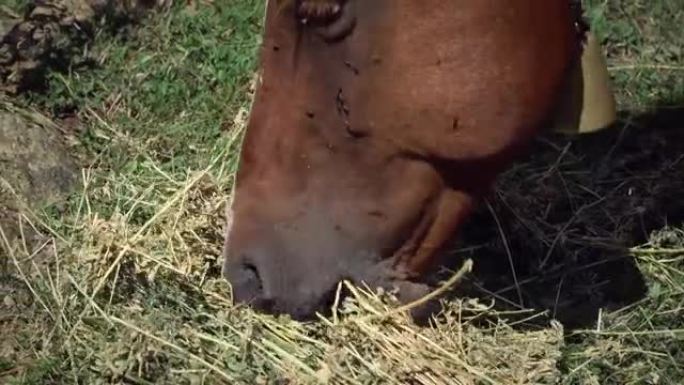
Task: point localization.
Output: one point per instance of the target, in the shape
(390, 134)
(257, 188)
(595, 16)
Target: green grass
(645, 49)
(173, 87)
(643, 343)
(159, 108)
(160, 119)
(16, 6)
(165, 100)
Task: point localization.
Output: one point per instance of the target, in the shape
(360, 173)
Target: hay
(144, 301)
(137, 297)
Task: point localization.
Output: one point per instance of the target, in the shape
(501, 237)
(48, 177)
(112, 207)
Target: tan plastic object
(587, 104)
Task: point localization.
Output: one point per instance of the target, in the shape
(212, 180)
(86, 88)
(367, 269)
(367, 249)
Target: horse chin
(414, 294)
(407, 292)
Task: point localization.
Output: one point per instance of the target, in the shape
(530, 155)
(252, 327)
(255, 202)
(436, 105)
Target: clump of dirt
(54, 34)
(557, 233)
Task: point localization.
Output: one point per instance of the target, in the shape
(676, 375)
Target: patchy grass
(644, 342)
(122, 284)
(167, 92)
(645, 49)
(16, 7)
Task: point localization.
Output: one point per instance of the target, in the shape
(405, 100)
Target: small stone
(6, 56)
(38, 34)
(8, 301)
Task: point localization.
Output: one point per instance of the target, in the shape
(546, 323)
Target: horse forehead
(428, 52)
(466, 60)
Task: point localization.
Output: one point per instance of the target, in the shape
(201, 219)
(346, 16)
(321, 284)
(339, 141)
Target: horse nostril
(245, 280)
(252, 274)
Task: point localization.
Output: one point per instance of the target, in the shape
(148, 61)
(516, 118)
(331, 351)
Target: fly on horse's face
(364, 155)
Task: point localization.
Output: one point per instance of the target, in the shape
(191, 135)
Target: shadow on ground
(567, 214)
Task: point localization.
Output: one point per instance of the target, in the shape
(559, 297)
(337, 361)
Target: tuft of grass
(644, 48)
(16, 7)
(644, 342)
(164, 99)
(146, 304)
(166, 92)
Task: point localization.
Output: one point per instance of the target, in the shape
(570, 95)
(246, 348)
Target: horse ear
(587, 103)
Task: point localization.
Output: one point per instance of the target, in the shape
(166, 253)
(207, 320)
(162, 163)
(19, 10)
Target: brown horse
(377, 125)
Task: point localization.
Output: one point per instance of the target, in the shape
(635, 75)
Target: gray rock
(35, 170)
(35, 167)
